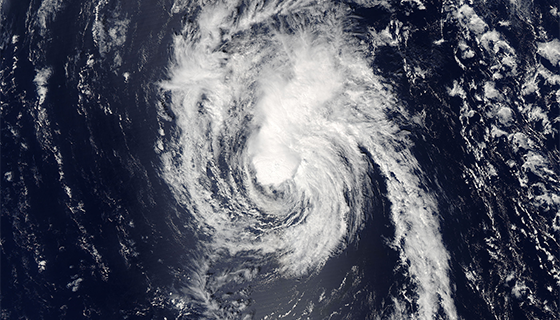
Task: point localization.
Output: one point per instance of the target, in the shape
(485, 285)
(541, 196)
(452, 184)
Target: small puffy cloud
(550, 51)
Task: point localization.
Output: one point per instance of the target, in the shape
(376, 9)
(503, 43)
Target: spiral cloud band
(279, 115)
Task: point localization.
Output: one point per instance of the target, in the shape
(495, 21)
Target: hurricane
(279, 159)
(280, 121)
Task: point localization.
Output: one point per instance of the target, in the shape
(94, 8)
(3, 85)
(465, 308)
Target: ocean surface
(180, 159)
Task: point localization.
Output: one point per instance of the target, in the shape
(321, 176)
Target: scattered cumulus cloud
(550, 51)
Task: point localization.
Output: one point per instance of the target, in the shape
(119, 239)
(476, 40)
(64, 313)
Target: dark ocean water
(414, 147)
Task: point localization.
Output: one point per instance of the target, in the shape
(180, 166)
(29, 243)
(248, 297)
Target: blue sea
(299, 159)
